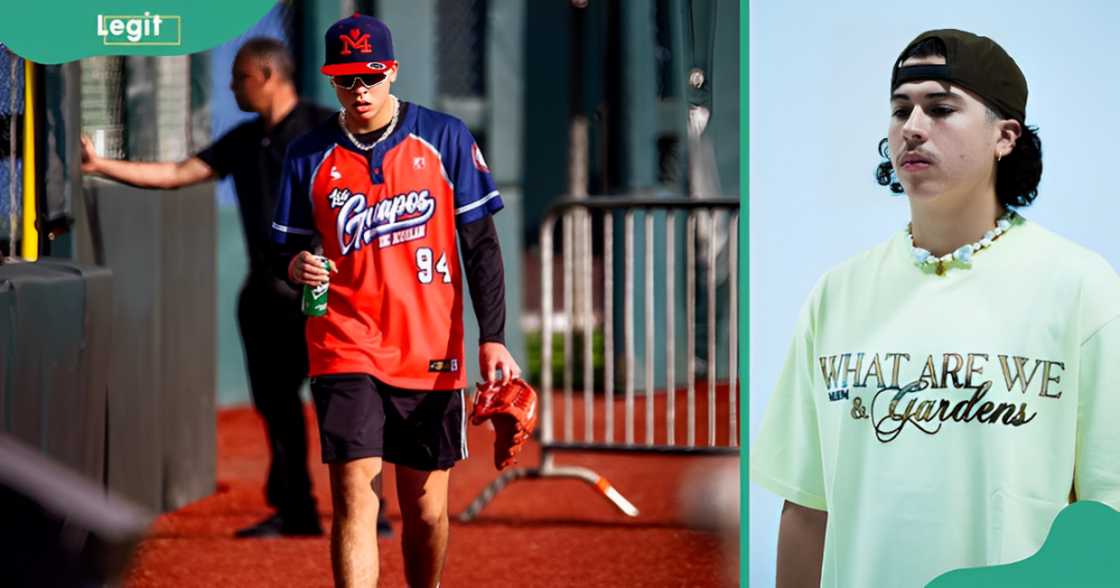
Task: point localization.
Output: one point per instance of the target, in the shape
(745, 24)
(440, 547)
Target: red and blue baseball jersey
(387, 219)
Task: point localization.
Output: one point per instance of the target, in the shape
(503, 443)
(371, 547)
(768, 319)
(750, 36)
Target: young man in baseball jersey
(950, 390)
(389, 186)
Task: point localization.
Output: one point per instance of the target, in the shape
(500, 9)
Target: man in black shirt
(268, 311)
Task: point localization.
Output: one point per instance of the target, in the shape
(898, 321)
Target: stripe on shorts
(463, 425)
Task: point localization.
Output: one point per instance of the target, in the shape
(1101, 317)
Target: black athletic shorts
(361, 416)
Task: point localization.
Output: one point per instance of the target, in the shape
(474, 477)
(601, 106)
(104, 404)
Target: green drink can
(315, 297)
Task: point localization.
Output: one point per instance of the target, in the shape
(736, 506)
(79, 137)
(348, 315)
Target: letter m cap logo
(356, 41)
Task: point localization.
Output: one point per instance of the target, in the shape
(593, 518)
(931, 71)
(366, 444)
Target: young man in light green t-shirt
(950, 390)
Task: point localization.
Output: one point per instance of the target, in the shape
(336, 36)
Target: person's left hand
(495, 356)
(90, 159)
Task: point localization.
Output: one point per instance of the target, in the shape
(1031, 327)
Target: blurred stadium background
(118, 345)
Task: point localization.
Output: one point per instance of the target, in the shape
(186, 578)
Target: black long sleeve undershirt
(482, 260)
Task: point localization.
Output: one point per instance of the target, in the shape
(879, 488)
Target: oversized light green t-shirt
(941, 420)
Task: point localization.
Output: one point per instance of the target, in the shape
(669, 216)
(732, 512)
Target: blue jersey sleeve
(293, 223)
(476, 195)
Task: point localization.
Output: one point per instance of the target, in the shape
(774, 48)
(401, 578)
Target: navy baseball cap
(359, 44)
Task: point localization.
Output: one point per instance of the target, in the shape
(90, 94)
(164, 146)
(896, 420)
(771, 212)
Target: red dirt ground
(563, 533)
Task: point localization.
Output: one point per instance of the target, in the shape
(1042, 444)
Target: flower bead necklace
(963, 254)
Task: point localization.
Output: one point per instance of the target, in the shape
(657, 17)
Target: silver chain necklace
(385, 135)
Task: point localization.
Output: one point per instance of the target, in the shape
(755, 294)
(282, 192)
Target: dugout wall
(107, 297)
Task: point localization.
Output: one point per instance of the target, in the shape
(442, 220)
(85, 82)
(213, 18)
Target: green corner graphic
(56, 32)
(1082, 549)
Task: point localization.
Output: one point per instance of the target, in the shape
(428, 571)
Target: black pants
(272, 335)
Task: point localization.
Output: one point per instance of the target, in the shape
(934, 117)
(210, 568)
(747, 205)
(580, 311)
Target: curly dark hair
(1017, 173)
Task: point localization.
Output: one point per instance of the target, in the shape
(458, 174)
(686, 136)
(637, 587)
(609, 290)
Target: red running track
(535, 533)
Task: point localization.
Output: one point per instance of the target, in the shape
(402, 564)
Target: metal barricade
(710, 248)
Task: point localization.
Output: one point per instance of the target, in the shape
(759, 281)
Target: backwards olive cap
(976, 63)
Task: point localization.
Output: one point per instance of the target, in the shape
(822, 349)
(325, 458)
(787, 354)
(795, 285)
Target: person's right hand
(306, 269)
(90, 158)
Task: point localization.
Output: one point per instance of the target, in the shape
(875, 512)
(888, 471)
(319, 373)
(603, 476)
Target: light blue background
(819, 83)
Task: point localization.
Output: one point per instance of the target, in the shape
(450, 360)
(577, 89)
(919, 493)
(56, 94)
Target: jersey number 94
(424, 257)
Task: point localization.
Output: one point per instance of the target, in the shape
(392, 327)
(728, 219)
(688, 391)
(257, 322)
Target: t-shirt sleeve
(476, 195)
(785, 457)
(1097, 466)
(222, 154)
(293, 224)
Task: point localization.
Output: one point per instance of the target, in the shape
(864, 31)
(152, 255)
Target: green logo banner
(60, 31)
(1081, 550)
